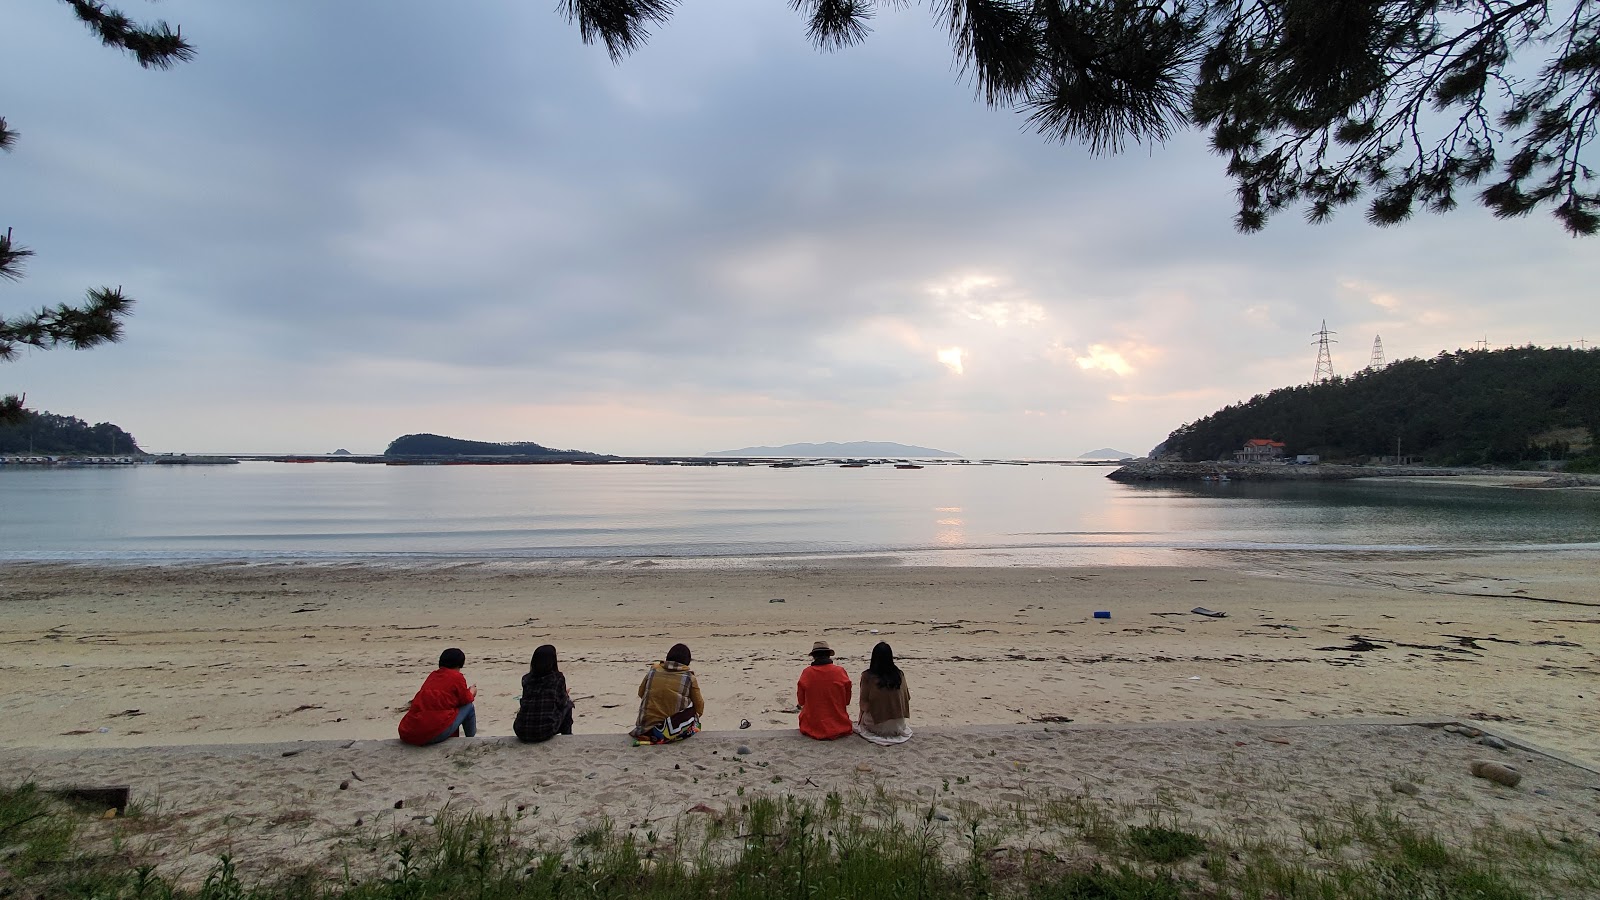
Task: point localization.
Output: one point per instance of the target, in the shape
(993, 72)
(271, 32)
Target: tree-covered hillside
(1467, 408)
(51, 435)
(439, 445)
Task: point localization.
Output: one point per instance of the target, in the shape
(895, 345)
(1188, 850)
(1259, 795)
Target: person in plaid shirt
(546, 707)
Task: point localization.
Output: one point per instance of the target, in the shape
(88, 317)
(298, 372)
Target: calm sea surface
(972, 514)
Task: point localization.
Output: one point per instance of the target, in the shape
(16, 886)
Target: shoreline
(251, 709)
(241, 654)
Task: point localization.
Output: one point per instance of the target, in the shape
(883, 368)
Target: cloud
(470, 222)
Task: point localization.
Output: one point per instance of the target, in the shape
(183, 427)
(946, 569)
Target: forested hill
(439, 445)
(1467, 408)
(51, 435)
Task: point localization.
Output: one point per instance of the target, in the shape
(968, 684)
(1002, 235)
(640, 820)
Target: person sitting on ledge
(670, 705)
(443, 705)
(885, 712)
(545, 709)
(823, 696)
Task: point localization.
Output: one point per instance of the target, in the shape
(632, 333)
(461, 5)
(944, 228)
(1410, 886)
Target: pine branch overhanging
(1397, 104)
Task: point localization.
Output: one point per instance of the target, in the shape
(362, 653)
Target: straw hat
(821, 648)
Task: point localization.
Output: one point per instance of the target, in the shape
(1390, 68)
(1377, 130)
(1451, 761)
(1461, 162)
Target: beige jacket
(667, 688)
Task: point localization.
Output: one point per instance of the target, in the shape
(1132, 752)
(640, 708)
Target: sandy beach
(254, 692)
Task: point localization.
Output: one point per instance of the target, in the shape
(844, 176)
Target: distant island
(1517, 406)
(412, 445)
(850, 450)
(1107, 453)
(46, 434)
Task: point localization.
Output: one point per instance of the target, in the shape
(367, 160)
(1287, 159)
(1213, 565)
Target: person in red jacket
(443, 705)
(824, 696)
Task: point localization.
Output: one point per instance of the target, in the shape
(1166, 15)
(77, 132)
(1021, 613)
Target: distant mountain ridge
(851, 449)
(1106, 453)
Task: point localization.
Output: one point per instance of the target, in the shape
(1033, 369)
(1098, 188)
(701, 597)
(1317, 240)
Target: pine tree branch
(12, 411)
(8, 138)
(155, 46)
(13, 257)
(97, 321)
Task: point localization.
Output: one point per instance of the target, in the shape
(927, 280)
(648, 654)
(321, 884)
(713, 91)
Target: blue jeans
(466, 719)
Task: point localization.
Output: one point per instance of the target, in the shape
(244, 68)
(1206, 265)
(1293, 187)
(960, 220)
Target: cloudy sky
(348, 221)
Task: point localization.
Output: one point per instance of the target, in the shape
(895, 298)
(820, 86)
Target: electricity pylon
(1377, 361)
(1324, 357)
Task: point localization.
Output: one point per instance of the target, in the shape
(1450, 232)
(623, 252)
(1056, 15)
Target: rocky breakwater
(1156, 470)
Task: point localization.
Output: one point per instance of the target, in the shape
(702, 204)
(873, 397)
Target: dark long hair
(679, 654)
(888, 674)
(544, 660)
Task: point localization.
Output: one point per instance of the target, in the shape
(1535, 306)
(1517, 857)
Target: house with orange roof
(1260, 450)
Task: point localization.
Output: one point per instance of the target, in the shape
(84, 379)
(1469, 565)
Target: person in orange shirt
(443, 704)
(824, 696)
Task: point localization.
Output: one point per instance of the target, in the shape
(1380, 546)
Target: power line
(1377, 360)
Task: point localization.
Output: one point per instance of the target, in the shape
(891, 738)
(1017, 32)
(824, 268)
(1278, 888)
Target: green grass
(869, 845)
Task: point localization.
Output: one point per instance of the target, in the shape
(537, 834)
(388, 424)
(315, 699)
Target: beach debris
(744, 723)
(744, 750)
(127, 714)
(864, 768)
(943, 817)
(1050, 718)
(1496, 772)
(1278, 741)
(872, 631)
(288, 753)
(1405, 787)
(113, 796)
(1357, 645)
(1202, 611)
(344, 785)
(1102, 614)
(355, 776)
(776, 600)
(103, 730)
(360, 822)
(399, 804)
(1492, 742)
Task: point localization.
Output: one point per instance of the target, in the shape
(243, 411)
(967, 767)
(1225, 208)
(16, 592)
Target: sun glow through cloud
(950, 357)
(1102, 357)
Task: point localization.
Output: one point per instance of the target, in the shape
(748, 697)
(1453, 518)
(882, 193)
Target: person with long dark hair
(443, 706)
(545, 709)
(884, 716)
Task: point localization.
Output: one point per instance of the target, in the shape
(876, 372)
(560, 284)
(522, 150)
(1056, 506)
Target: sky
(344, 222)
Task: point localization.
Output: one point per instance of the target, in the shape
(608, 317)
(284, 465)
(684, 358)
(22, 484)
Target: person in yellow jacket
(670, 705)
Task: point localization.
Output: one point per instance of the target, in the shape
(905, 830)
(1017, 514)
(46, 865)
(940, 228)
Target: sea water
(950, 514)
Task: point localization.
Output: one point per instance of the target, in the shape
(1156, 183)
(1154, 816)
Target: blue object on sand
(1102, 614)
